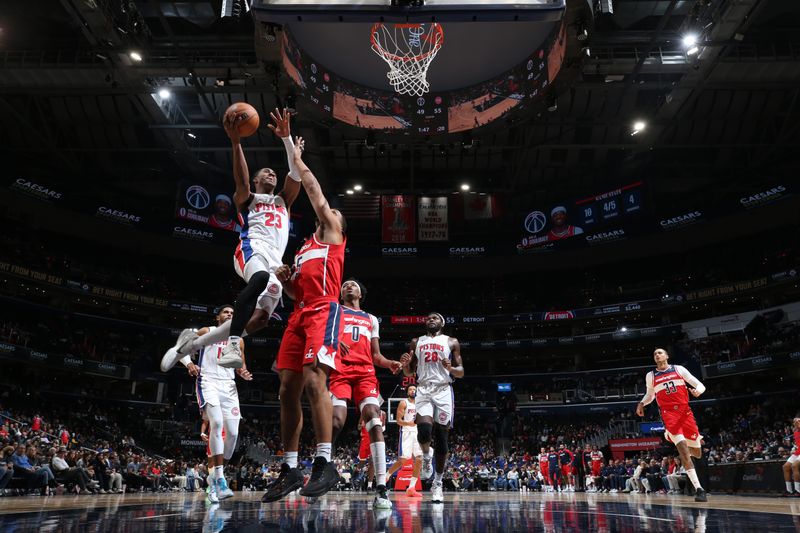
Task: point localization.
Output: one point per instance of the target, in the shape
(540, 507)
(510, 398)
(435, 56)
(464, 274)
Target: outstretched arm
(333, 227)
(241, 175)
(375, 344)
(454, 365)
(281, 127)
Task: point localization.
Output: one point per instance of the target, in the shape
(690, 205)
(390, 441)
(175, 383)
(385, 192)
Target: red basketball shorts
(360, 388)
(312, 335)
(679, 424)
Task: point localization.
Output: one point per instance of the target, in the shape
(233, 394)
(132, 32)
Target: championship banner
(432, 218)
(397, 219)
(206, 205)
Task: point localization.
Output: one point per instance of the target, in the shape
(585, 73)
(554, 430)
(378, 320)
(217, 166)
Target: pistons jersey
(409, 416)
(318, 270)
(669, 387)
(265, 229)
(430, 352)
(208, 362)
(360, 328)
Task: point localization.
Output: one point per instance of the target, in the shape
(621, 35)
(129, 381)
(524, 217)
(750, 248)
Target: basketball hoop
(408, 49)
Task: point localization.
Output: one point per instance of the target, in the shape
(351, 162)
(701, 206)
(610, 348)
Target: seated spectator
(676, 479)
(70, 475)
(34, 478)
(513, 479)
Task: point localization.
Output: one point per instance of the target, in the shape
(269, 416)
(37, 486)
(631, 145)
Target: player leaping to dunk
(667, 384)
(436, 359)
(264, 217)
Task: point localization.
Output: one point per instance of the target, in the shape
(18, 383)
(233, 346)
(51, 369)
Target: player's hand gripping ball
(243, 118)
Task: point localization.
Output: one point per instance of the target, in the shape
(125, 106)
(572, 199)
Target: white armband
(186, 360)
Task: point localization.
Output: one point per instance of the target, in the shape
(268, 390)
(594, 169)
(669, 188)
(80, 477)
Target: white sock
(797, 486)
(369, 484)
(290, 458)
(378, 450)
(218, 473)
(324, 450)
(437, 477)
(692, 473)
(412, 483)
(788, 486)
(212, 475)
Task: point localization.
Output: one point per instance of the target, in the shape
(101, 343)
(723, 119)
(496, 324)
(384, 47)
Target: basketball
(249, 125)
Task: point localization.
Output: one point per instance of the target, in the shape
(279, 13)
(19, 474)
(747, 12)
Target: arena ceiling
(76, 108)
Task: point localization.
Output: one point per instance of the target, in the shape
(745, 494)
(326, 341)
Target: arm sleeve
(376, 327)
(288, 143)
(690, 379)
(650, 395)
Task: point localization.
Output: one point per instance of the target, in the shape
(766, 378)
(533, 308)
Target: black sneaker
(700, 495)
(323, 478)
(290, 480)
(787, 494)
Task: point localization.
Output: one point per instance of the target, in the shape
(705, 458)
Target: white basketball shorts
(435, 401)
(219, 392)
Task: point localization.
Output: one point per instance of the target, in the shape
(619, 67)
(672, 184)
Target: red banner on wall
(620, 446)
(398, 224)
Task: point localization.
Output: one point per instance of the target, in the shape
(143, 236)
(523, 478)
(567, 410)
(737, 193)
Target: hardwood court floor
(352, 512)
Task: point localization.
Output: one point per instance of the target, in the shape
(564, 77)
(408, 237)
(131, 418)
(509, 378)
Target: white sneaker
(231, 356)
(427, 465)
(223, 492)
(184, 342)
(170, 359)
(381, 501)
(436, 492)
(211, 493)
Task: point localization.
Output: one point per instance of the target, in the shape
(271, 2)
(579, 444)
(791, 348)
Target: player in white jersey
(264, 218)
(218, 400)
(436, 359)
(409, 448)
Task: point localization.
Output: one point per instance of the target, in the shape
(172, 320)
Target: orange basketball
(249, 124)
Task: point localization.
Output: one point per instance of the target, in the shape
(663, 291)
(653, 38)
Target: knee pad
(424, 432)
(372, 423)
(441, 432)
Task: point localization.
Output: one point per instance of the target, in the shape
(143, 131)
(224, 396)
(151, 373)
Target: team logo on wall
(535, 222)
(198, 197)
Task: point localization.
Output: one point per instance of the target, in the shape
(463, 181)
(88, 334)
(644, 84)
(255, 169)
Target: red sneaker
(412, 493)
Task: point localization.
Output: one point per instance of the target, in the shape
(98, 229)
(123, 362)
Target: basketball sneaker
(382, 500)
(437, 495)
(223, 492)
(324, 477)
(231, 356)
(700, 495)
(411, 492)
(184, 342)
(211, 493)
(289, 480)
(427, 465)
(382, 517)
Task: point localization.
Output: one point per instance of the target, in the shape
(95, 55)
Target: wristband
(288, 143)
(186, 360)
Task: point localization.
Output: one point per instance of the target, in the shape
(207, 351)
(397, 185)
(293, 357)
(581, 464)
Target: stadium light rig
(357, 187)
(135, 56)
(465, 187)
(164, 94)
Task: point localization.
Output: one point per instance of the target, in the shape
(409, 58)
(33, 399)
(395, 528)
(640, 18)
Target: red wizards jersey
(318, 271)
(360, 328)
(796, 450)
(543, 458)
(597, 457)
(670, 388)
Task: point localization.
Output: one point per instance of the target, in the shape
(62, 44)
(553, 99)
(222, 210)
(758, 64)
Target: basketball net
(408, 49)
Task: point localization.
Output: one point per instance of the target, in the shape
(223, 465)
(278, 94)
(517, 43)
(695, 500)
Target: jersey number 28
(431, 357)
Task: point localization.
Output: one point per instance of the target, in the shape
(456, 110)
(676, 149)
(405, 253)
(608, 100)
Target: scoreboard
(430, 115)
(610, 206)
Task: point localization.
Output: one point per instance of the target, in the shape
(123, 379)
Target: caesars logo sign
(34, 189)
(606, 236)
(680, 221)
(193, 234)
(399, 251)
(763, 197)
(466, 251)
(118, 216)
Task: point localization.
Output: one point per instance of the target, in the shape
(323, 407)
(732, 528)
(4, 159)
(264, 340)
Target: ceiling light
(164, 94)
(357, 187)
(349, 191)
(692, 51)
(136, 56)
(689, 40)
(191, 135)
(464, 187)
(638, 126)
(623, 329)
